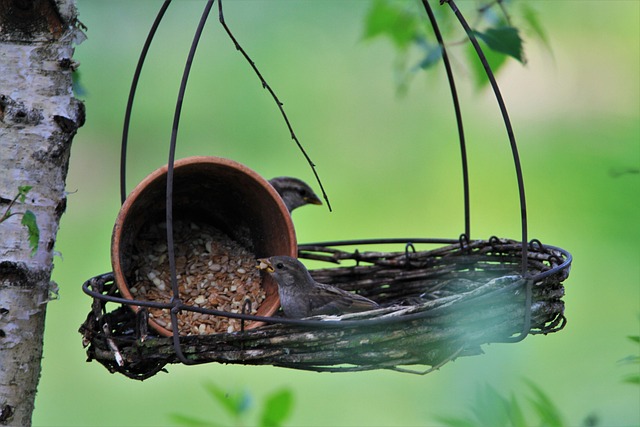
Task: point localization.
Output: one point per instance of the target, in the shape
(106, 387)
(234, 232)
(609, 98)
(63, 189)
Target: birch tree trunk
(38, 118)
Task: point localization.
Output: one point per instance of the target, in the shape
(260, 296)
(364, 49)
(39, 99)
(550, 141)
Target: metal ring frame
(176, 305)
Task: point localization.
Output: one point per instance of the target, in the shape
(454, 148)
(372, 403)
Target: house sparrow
(294, 192)
(301, 296)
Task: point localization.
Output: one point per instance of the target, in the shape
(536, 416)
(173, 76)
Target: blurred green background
(390, 165)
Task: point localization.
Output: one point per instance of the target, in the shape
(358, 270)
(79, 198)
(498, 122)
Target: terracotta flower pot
(216, 191)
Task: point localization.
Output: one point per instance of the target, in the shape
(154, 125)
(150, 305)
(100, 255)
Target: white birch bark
(38, 118)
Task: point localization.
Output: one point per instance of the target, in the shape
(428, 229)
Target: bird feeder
(436, 304)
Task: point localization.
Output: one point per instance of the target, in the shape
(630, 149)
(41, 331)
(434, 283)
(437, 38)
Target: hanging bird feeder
(439, 299)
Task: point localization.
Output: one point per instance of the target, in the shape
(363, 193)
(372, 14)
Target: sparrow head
(294, 192)
(288, 271)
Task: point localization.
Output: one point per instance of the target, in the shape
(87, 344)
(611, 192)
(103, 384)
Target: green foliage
(490, 408)
(547, 412)
(78, 88)
(389, 19)
(495, 59)
(28, 217)
(186, 420)
(22, 192)
(530, 17)
(277, 408)
(633, 360)
(432, 53)
(237, 405)
(504, 40)
(406, 25)
(29, 221)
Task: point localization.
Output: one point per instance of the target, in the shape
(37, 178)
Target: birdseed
(213, 271)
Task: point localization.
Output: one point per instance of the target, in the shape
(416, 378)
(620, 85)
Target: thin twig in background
(266, 86)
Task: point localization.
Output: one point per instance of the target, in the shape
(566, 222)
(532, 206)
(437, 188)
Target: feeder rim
(176, 305)
(423, 240)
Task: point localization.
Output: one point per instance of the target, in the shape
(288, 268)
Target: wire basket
(436, 303)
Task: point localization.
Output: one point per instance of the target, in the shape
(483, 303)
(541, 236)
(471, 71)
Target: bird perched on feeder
(301, 296)
(294, 192)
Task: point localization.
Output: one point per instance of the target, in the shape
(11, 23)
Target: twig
(266, 86)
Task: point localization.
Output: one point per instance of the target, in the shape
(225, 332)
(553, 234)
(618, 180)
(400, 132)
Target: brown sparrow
(301, 296)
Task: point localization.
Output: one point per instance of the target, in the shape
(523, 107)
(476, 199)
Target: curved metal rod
(132, 94)
(175, 300)
(379, 241)
(566, 264)
(507, 123)
(456, 107)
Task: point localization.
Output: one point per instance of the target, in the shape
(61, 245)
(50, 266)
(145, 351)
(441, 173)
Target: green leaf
(29, 221)
(456, 422)
(79, 88)
(386, 19)
(277, 408)
(432, 52)
(634, 338)
(235, 404)
(516, 416)
(631, 359)
(186, 420)
(531, 18)
(549, 414)
(490, 408)
(504, 40)
(632, 379)
(22, 192)
(495, 59)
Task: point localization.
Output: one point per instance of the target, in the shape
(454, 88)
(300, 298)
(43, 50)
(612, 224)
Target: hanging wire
(132, 93)
(176, 303)
(507, 122)
(456, 107)
(528, 285)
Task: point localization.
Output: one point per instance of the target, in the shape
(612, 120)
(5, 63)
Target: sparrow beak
(264, 264)
(313, 200)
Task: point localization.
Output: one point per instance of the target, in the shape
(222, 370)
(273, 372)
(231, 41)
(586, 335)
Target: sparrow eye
(279, 266)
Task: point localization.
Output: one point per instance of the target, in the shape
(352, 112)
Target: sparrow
(301, 296)
(294, 192)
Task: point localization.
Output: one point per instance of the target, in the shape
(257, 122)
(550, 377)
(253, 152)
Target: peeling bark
(38, 118)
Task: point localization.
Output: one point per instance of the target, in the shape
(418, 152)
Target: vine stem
(280, 105)
(7, 213)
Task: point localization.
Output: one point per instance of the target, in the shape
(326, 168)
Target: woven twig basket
(436, 305)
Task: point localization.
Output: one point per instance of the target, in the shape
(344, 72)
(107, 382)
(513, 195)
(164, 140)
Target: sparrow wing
(330, 300)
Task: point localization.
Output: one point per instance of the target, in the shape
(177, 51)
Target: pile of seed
(212, 270)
